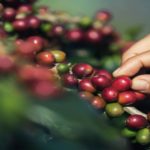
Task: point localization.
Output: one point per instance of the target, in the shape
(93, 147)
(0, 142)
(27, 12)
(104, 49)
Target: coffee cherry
(8, 27)
(29, 74)
(107, 30)
(136, 122)
(37, 41)
(20, 24)
(103, 15)
(74, 35)
(140, 96)
(122, 83)
(6, 64)
(59, 56)
(110, 94)
(114, 109)
(128, 133)
(44, 89)
(62, 68)
(86, 85)
(93, 36)
(45, 58)
(58, 30)
(82, 70)
(69, 80)
(143, 136)
(100, 82)
(104, 73)
(85, 22)
(25, 8)
(25, 48)
(127, 98)
(98, 102)
(9, 14)
(33, 22)
(86, 95)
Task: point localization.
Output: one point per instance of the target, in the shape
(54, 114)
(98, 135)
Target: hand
(135, 58)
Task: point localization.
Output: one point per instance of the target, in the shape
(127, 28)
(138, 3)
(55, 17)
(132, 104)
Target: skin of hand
(135, 58)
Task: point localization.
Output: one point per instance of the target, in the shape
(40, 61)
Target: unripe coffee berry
(114, 109)
(98, 102)
(59, 56)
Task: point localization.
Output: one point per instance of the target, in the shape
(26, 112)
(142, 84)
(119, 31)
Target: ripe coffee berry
(104, 73)
(110, 94)
(93, 36)
(103, 15)
(20, 25)
(37, 41)
(69, 80)
(122, 83)
(127, 97)
(9, 14)
(82, 70)
(74, 35)
(98, 102)
(45, 58)
(33, 22)
(140, 96)
(86, 95)
(100, 82)
(86, 85)
(136, 122)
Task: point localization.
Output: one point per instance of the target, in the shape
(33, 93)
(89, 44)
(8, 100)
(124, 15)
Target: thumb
(141, 83)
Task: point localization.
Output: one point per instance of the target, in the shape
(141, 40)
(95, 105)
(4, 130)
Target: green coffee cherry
(114, 109)
(62, 68)
(143, 136)
(45, 27)
(59, 56)
(128, 133)
(85, 22)
(8, 27)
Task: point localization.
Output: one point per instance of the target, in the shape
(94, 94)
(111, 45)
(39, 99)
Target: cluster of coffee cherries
(42, 68)
(80, 36)
(111, 95)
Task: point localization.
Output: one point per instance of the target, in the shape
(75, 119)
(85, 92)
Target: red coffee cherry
(104, 73)
(58, 30)
(9, 14)
(74, 35)
(140, 96)
(37, 41)
(93, 36)
(127, 98)
(98, 102)
(100, 82)
(110, 94)
(25, 8)
(86, 95)
(69, 80)
(122, 83)
(103, 15)
(136, 122)
(82, 70)
(33, 22)
(86, 85)
(45, 58)
(20, 24)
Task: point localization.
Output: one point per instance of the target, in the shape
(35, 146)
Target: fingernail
(140, 85)
(115, 73)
